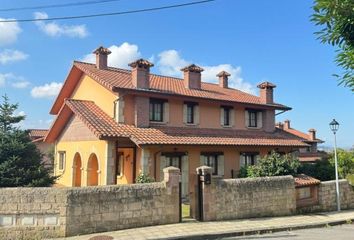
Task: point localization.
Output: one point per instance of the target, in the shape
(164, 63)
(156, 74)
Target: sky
(254, 40)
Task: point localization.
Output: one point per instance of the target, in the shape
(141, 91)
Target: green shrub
(322, 170)
(144, 178)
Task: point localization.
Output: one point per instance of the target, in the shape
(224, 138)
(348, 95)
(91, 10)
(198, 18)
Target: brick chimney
(223, 79)
(141, 73)
(287, 124)
(101, 57)
(312, 134)
(266, 92)
(280, 125)
(192, 76)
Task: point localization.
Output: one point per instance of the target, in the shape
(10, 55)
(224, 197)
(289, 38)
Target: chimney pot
(101, 57)
(141, 73)
(192, 76)
(223, 79)
(266, 92)
(287, 124)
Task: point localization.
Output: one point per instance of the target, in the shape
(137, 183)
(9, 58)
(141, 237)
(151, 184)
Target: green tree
(336, 17)
(20, 160)
(322, 170)
(345, 162)
(274, 164)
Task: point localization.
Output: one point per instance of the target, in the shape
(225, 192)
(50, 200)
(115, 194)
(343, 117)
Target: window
(252, 119)
(190, 113)
(226, 116)
(120, 164)
(174, 161)
(156, 110)
(248, 159)
(211, 160)
(61, 160)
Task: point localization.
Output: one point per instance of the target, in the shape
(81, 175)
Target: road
(341, 232)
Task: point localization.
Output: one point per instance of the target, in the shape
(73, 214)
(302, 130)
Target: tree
(345, 162)
(322, 170)
(20, 160)
(337, 19)
(273, 164)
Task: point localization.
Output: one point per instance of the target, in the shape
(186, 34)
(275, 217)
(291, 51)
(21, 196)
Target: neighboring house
(307, 154)
(114, 123)
(37, 136)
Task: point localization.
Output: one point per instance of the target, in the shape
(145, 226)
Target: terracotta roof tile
(37, 135)
(302, 180)
(115, 78)
(301, 134)
(104, 126)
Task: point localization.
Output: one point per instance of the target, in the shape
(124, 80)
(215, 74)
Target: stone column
(209, 205)
(110, 163)
(171, 180)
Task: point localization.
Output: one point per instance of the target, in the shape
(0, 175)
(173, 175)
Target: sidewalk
(212, 230)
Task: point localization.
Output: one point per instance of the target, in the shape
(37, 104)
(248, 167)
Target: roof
(37, 134)
(115, 79)
(311, 156)
(104, 127)
(301, 135)
(266, 85)
(303, 180)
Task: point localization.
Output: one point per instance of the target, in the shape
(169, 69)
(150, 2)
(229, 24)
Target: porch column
(110, 163)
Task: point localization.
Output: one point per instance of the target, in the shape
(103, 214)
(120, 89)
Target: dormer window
(156, 110)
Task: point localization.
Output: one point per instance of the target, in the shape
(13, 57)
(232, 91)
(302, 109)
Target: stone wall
(327, 197)
(247, 198)
(35, 213)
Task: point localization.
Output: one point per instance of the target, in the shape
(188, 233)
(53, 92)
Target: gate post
(204, 192)
(172, 178)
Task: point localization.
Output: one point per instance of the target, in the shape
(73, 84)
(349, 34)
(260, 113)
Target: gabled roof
(303, 180)
(115, 79)
(104, 127)
(300, 134)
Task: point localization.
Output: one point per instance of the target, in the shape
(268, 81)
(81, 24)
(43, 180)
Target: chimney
(101, 57)
(287, 124)
(192, 76)
(223, 79)
(141, 73)
(266, 92)
(280, 125)
(312, 134)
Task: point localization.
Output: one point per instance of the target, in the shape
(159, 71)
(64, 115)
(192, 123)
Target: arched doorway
(77, 170)
(92, 170)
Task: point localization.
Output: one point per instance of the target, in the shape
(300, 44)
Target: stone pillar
(171, 179)
(110, 163)
(209, 205)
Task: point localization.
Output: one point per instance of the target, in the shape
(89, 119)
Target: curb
(259, 231)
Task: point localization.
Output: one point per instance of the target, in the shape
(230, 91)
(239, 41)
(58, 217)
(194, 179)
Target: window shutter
(185, 176)
(247, 118)
(196, 114)
(221, 165)
(232, 117)
(121, 110)
(184, 113)
(166, 112)
(222, 116)
(163, 164)
(202, 160)
(259, 120)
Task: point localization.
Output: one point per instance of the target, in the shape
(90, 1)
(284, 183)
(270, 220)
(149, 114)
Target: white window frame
(61, 160)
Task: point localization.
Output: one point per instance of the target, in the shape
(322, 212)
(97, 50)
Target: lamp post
(334, 125)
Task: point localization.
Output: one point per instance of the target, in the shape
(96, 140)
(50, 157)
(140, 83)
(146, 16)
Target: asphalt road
(341, 232)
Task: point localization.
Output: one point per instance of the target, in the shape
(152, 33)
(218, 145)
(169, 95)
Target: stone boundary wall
(249, 197)
(327, 197)
(36, 213)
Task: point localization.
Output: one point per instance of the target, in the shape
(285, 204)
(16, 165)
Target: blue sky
(254, 40)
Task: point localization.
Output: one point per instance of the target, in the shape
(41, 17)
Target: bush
(345, 162)
(273, 164)
(322, 170)
(144, 178)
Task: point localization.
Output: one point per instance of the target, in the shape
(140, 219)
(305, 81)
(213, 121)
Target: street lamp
(334, 125)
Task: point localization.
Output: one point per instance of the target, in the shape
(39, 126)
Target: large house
(310, 153)
(113, 124)
(37, 137)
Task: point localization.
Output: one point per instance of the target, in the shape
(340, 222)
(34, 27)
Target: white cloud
(9, 55)
(54, 29)
(9, 32)
(47, 90)
(170, 62)
(15, 80)
(120, 56)
(21, 113)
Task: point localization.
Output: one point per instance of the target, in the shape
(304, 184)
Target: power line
(108, 14)
(56, 5)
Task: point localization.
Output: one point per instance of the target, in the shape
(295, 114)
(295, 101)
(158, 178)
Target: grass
(185, 210)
